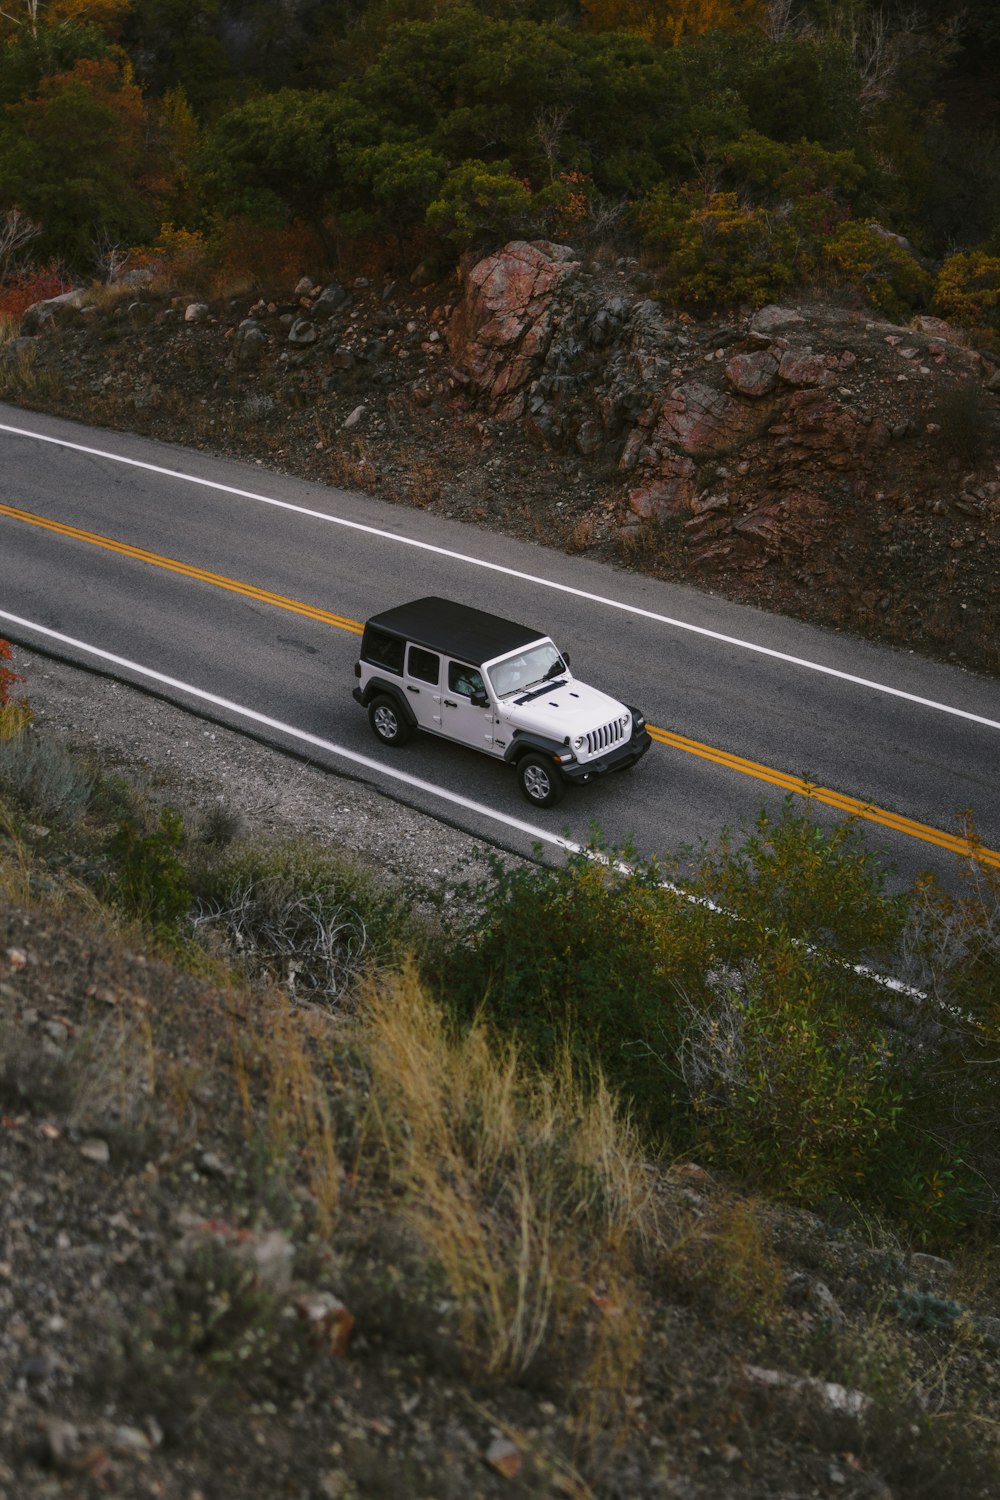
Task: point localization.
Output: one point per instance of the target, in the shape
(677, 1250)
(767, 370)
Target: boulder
(500, 332)
(753, 374)
(302, 331)
(670, 493)
(771, 318)
(249, 341)
(805, 369)
(698, 419)
(42, 315)
(329, 301)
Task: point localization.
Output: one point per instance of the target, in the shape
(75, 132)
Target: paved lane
(347, 555)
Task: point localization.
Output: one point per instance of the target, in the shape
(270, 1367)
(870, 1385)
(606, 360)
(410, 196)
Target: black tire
(541, 780)
(387, 721)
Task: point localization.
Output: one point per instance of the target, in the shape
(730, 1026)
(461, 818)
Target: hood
(572, 709)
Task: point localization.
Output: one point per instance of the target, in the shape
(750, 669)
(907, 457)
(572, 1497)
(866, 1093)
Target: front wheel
(386, 718)
(540, 780)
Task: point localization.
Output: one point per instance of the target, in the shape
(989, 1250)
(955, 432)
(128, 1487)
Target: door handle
(448, 703)
(410, 689)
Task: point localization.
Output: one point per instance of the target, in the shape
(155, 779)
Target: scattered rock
(931, 1267)
(302, 331)
(96, 1150)
(504, 1457)
(330, 1323)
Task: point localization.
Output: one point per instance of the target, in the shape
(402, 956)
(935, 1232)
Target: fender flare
(534, 744)
(376, 687)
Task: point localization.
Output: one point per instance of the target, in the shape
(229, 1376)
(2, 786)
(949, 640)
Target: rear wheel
(541, 781)
(386, 718)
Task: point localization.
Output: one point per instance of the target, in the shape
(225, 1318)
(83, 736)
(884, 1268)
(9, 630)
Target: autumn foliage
(671, 23)
(749, 146)
(29, 285)
(14, 712)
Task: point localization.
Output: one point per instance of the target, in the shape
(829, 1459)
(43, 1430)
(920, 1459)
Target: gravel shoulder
(179, 758)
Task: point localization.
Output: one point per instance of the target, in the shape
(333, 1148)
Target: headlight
(579, 742)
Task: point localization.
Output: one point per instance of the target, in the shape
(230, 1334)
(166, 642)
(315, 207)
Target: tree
(278, 157)
(34, 16)
(177, 44)
(27, 57)
(73, 158)
(16, 231)
(480, 201)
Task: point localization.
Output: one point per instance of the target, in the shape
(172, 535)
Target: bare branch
(16, 231)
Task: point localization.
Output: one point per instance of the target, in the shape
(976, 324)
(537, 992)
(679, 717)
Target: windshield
(515, 673)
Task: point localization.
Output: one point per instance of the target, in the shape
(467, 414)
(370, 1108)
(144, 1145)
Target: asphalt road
(761, 697)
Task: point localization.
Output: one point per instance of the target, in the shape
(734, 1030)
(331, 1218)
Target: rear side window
(383, 651)
(425, 665)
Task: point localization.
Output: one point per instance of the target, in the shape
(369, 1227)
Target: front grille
(607, 736)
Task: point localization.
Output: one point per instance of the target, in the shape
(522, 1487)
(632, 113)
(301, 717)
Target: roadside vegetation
(742, 149)
(601, 1117)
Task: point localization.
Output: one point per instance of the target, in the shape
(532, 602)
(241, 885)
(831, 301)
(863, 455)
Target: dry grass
(351, 466)
(524, 1191)
(725, 1260)
(20, 380)
(421, 481)
(579, 535)
(286, 1043)
(15, 864)
(106, 297)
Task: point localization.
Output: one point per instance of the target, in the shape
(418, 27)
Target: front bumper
(619, 759)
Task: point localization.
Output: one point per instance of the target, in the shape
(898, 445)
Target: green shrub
(718, 252)
(967, 290)
(886, 275)
(822, 885)
(151, 881)
(582, 958)
(480, 198)
(300, 915)
(744, 1026)
(789, 1076)
(43, 778)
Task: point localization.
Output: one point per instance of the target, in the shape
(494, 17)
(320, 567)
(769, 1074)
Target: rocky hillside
(812, 459)
(218, 1277)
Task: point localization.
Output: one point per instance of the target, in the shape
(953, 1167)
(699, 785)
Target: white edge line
(478, 562)
(542, 835)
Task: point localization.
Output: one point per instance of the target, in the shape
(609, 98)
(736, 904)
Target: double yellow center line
(218, 580)
(851, 806)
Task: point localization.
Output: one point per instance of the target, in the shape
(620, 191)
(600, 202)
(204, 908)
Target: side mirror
(480, 700)
(565, 657)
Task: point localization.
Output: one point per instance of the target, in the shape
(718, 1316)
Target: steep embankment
(219, 1278)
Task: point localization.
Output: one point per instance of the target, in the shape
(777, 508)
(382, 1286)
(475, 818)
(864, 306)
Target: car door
(422, 684)
(462, 719)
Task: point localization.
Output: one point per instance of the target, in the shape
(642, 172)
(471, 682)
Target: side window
(464, 680)
(382, 651)
(424, 665)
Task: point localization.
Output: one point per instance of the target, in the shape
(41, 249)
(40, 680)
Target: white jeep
(494, 686)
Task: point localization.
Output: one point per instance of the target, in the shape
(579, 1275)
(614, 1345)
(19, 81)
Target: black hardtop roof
(455, 629)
